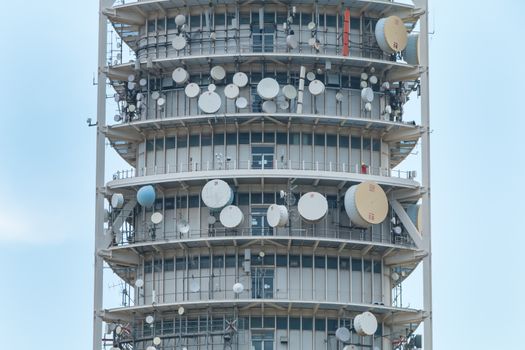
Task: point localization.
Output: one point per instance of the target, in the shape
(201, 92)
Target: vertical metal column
(425, 155)
(100, 169)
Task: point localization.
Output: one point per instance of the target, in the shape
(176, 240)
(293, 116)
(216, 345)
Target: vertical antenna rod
(425, 158)
(100, 165)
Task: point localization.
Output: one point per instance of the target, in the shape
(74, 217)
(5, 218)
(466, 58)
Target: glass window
(169, 203)
(256, 198)
(282, 322)
(295, 138)
(180, 264)
(319, 140)
(182, 201)
(244, 198)
(366, 143)
(193, 201)
(269, 322)
(182, 141)
(356, 142)
(269, 198)
(295, 323)
(218, 261)
(320, 262)
(295, 260)
(307, 260)
(256, 322)
(148, 267)
(170, 142)
(269, 137)
(159, 144)
(331, 21)
(331, 140)
(355, 82)
(169, 264)
(367, 265)
(332, 201)
(195, 21)
(282, 138)
(331, 325)
(230, 260)
(205, 140)
(343, 141)
(205, 262)
(331, 262)
(194, 140)
(307, 139)
(218, 139)
(344, 263)
(376, 145)
(356, 264)
(149, 145)
(320, 324)
(157, 266)
(167, 326)
(219, 19)
(244, 138)
(377, 266)
(282, 260)
(158, 204)
(231, 138)
(256, 137)
(269, 259)
(307, 324)
(355, 23)
(306, 18)
(244, 18)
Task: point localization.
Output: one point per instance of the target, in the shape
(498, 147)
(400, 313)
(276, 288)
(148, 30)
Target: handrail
(183, 167)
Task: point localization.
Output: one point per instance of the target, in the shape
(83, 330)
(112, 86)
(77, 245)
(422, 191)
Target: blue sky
(47, 173)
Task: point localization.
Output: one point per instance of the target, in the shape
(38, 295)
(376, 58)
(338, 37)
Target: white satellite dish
(180, 310)
(155, 95)
(156, 218)
(268, 88)
(124, 104)
(151, 347)
(312, 207)
(395, 276)
(217, 73)
(192, 90)
(363, 84)
(350, 347)
(194, 286)
(397, 230)
(385, 85)
(388, 109)
(365, 324)
(117, 200)
(216, 194)
(231, 91)
(209, 102)
(364, 76)
(240, 79)
(131, 77)
(231, 216)
(291, 41)
(179, 42)
(241, 102)
(180, 19)
(368, 107)
(161, 101)
(212, 220)
(316, 87)
(310, 76)
(212, 87)
(140, 96)
(157, 341)
(139, 283)
(277, 215)
(269, 107)
(289, 92)
(367, 94)
(118, 329)
(391, 34)
(143, 82)
(183, 227)
(311, 25)
(339, 96)
(150, 319)
(180, 75)
(373, 80)
(366, 204)
(343, 334)
(284, 105)
(238, 288)
(131, 85)
(131, 108)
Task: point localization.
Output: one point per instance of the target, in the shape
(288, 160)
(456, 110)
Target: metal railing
(269, 165)
(155, 233)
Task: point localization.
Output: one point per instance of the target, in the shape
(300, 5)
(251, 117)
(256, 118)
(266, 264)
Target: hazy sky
(47, 173)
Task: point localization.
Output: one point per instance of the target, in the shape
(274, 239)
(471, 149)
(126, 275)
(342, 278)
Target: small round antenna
(139, 283)
(342, 334)
(181, 310)
(150, 319)
(157, 341)
(238, 288)
(156, 218)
